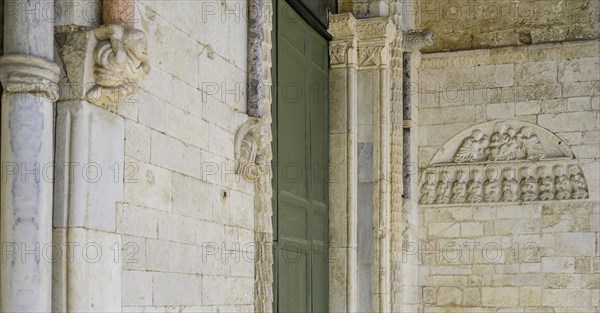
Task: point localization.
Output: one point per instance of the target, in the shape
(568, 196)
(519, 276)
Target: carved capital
(342, 25)
(342, 53)
(252, 150)
(103, 65)
(22, 73)
(375, 36)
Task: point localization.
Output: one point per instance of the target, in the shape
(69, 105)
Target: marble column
(343, 186)
(29, 76)
(120, 12)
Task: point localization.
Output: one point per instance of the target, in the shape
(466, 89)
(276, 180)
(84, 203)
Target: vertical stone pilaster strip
(263, 232)
(375, 38)
(29, 77)
(343, 184)
(396, 159)
(255, 58)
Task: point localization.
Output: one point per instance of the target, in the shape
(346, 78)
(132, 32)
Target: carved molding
(103, 65)
(22, 73)
(375, 28)
(503, 161)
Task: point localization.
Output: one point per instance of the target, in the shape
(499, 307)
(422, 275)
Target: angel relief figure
(472, 148)
(530, 143)
(499, 143)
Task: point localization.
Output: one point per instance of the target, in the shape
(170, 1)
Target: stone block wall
(187, 220)
(512, 257)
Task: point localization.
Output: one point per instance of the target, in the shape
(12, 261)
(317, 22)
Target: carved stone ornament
(375, 36)
(416, 40)
(103, 65)
(251, 150)
(342, 25)
(504, 161)
(22, 73)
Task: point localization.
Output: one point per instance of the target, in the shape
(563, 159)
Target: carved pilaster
(343, 47)
(103, 65)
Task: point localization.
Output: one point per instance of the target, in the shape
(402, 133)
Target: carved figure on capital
(121, 63)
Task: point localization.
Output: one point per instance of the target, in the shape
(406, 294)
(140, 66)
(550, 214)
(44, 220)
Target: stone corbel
(252, 151)
(103, 65)
(22, 73)
(416, 40)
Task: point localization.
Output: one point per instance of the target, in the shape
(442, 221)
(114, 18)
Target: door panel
(300, 128)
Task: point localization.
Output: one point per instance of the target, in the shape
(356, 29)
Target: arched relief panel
(500, 162)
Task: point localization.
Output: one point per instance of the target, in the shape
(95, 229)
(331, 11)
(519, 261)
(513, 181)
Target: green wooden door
(301, 158)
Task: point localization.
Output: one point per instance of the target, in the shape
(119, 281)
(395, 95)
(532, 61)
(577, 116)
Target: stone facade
(467, 181)
(515, 255)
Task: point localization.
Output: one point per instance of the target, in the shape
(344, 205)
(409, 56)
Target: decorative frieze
(506, 161)
(375, 36)
(23, 73)
(504, 182)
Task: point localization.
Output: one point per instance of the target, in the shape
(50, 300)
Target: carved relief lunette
(525, 165)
